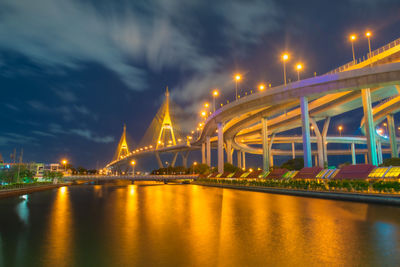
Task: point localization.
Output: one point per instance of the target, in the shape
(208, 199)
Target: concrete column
(293, 151)
(203, 153)
(243, 159)
(305, 131)
(316, 159)
(366, 158)
(208, 149)
(379, 151)
(160, 165)
(392, 136)
(353, 154)
(320, 145)
(229, 151)
(369, 126)
(174, 159)
(265, 145)
(239, 159)
(220, 147)
(324, 142)
(271, 157)
(185, 156)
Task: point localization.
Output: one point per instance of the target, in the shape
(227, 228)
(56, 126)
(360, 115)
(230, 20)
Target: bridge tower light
(353, 37)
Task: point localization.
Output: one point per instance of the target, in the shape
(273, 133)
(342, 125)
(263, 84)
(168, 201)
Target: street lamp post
(215, 93)
(285, 57)
(237, 79)
(340, 128)
(353, 37)
(194, 164)
(368, 34)
(133, 167)
(64, 162)
(299, 67)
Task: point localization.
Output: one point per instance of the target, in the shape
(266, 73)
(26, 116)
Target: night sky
(72, 72)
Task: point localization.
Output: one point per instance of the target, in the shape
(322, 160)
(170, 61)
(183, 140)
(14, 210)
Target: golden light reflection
(58, 246)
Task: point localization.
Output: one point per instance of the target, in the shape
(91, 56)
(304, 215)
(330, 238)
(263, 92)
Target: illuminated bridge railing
(373, 53)
(131, 177)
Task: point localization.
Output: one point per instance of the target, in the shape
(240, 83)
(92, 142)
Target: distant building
(38, 168)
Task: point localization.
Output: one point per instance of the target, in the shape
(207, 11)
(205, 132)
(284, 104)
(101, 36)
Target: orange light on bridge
(133, 162)
(206, 105)
(203, 113)
(261, 87)
(238, 77)
(285, 57)
(368, 34)
(340, 128)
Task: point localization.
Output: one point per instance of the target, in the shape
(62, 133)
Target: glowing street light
(237, 79)
(203, 113)
(369, 34)
(340, 128)
(285, 57)
(215, 93)
(206, 105)
(133, 166)
(299, 67)
(64, 162)
(261, 87)
(353, 37)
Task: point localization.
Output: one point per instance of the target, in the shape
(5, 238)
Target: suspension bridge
(254, 123)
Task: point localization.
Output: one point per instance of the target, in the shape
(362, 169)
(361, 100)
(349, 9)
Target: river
(190, 225)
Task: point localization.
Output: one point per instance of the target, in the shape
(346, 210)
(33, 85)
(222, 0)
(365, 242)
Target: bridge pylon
(122, 149)
(166, 125)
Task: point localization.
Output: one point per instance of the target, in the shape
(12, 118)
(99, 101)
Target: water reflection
(23, 210)
(186, 225)
(58, 241)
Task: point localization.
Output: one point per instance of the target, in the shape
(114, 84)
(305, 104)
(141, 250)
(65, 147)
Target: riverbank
(29, 189)
(387, 199)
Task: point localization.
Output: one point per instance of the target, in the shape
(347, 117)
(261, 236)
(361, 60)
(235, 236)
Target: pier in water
(189, 225)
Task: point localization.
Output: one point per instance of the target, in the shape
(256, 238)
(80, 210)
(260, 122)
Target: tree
(200, 168)
(228, 167)
(391, 162)
(293, 164)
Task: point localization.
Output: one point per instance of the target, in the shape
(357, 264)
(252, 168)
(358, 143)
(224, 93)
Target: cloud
(40, 133)
(12, 107)
(127, 37)
(66, 95)
(90, 136)
(85, 133)
(14, 138)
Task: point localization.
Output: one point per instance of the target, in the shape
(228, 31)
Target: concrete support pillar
(392, 136)
(316, 159)
(366, 158)
(243, 159)
(319, 160)
(160, 165)
(220, 147)
(265, 145)
(369, 126)
(239, 159)
(353, 154)
(185, 156)
(174, 159)
(208, 150)
(379, 151)
(271, 157)
(305, 131)
(293, 151)
(324, 142)
(203, 153)
(229, 151)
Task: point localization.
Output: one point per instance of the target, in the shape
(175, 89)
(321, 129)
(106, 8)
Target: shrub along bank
(361, 186)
